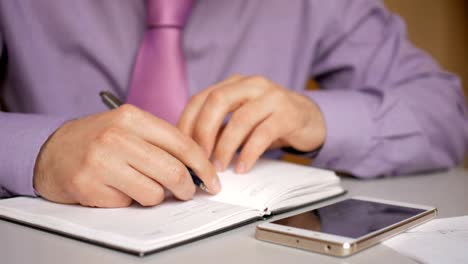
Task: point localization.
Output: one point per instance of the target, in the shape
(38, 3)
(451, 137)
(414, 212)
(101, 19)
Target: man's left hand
(264, 115)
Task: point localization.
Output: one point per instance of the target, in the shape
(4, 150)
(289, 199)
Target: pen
(113, 102)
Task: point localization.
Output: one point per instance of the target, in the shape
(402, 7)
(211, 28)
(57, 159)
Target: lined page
(272, 181)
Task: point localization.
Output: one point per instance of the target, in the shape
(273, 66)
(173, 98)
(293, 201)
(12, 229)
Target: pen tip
(203, 187)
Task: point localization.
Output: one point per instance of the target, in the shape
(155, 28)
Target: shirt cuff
(21, 138)
(309, 154)
(348, 122)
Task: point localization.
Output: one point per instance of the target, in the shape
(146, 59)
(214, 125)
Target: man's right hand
(111, 158)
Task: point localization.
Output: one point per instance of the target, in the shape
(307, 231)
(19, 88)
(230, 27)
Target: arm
(21, 137)
(388, 108)
(385, 108)
(105, 160)
(108, 159)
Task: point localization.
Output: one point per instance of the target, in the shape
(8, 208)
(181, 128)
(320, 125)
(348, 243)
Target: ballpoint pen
(113, 102)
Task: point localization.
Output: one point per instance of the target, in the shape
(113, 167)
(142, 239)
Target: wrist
(311, 136)
(45, 160)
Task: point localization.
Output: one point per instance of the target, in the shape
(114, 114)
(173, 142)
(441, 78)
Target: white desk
(448, 191)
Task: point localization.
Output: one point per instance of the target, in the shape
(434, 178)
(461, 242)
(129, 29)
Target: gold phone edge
(337, 249)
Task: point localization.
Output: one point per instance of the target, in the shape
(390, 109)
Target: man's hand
(112, 158)
(264, 115)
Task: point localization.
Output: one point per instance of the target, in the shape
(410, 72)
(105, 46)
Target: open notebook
(271, 187)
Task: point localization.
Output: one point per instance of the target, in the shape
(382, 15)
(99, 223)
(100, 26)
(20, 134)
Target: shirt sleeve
(389, 109)
(21, 138)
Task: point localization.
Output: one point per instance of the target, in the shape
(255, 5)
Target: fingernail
(216, 185)
(218, 165)
(240, 168)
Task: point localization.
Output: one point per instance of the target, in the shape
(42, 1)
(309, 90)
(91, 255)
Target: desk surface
(445, 190)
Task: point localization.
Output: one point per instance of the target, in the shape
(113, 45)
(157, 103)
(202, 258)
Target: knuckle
(126, 202)
(196, 98)
(257, 142)
(116, 202)
(149, 155)
(155, 197)
(258, 80)
(186, 145)
(78, 184)
(76, 179)
(126, 114)
(128, 109)
(189, 193)
(92, 156)
(278, 95)
(216, 97)
(109, 135)
(239, 119)
(267, 132)
(200, 134)
(177, 174)
(92, 161)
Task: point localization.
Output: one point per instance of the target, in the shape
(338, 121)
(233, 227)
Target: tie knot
(171, 13)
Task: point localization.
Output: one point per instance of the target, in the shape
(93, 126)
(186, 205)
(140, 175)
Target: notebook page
(268, 180)
(291, 202)
(135, 227)
(304, 194)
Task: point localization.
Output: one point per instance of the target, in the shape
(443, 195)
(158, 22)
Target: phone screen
(351, 218)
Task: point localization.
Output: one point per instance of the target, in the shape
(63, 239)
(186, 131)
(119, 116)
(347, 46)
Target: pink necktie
(159, 80)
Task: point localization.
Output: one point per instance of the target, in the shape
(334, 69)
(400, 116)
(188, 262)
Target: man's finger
(189, 115)
(242, 123)
(137, 186)
(101, 195)
(217, 106)
(170, 139)
(261, 138)
(161, 167)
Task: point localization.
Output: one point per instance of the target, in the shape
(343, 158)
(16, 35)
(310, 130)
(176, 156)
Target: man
(384, 108)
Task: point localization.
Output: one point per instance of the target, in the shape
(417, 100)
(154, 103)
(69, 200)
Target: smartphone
(345, 227)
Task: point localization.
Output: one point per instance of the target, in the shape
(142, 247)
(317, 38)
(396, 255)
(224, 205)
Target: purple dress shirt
(389, 108)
